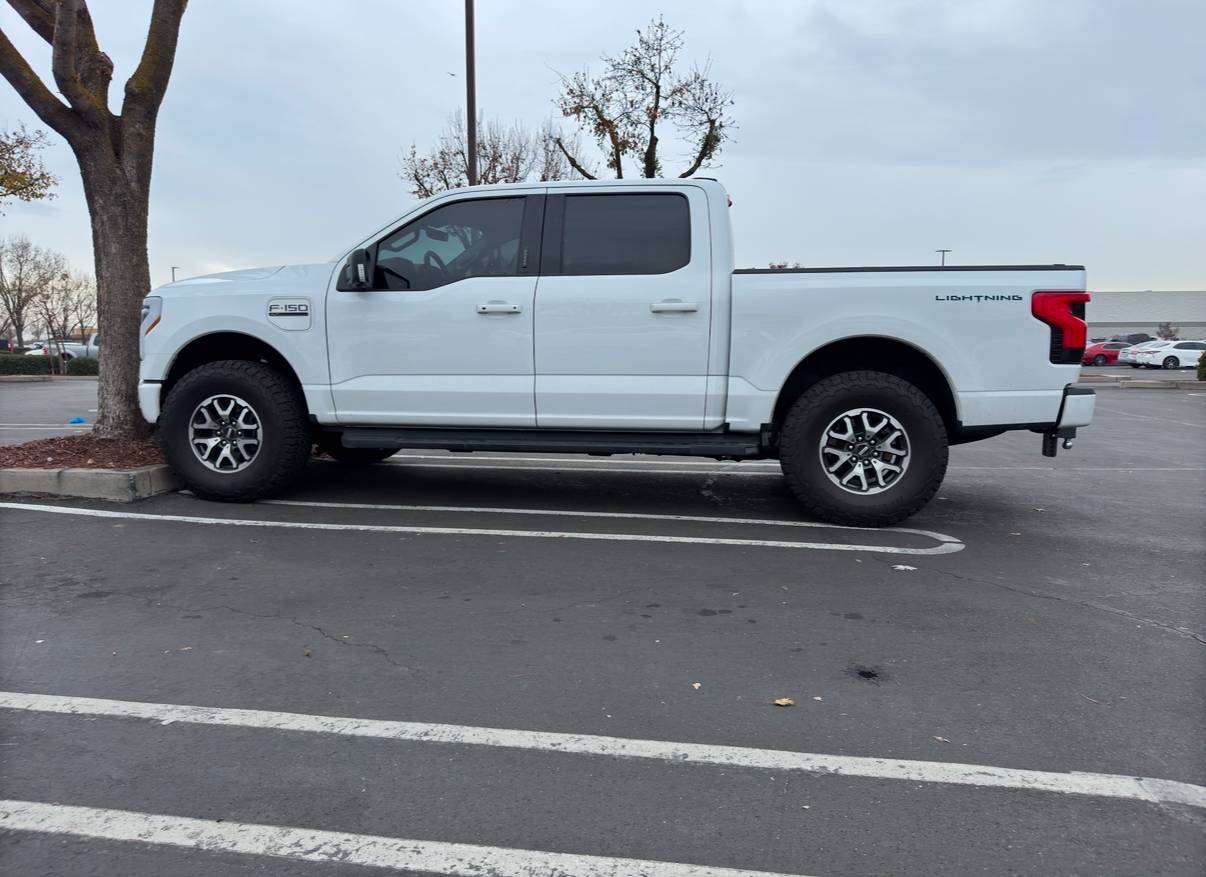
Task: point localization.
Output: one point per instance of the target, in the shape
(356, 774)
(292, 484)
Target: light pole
(943, 252)
(471, 92)
(174, 267)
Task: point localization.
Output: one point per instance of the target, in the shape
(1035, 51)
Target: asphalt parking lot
(569, 664)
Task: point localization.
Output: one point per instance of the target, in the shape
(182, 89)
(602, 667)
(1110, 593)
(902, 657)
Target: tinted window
(459, 240)
(1116, 346)
(625, 234)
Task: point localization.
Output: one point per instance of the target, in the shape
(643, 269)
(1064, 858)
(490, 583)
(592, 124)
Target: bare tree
(1168, 332)
(114, 152)
(22, 174)
(83, 304)
(26, 275)
(639, 90)
(505, 154)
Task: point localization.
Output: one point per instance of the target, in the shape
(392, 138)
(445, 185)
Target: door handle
(674, 306)
(498, 307)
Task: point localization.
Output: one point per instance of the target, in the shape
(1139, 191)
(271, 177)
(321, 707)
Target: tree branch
(38, 14)
(707, 148)
(65, 51)
(573, 161)
(34, 92)
(146, 87)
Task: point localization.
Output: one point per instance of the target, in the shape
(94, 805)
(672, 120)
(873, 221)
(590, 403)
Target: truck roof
(562, 184)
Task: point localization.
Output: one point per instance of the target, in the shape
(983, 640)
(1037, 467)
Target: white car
(606, 318)
(1130, 355)
(1174, 354)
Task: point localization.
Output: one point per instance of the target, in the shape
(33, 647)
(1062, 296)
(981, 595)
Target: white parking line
(47, 427)
(641, 516)
(941, 548)
(1152, 791)
(312, 845)
(719, 469)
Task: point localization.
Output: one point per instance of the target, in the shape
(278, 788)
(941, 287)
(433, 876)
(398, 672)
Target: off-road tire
(281, 409)
(815, 409)
(330, 445)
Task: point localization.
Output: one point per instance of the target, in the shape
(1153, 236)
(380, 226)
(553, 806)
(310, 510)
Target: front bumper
(148, 400)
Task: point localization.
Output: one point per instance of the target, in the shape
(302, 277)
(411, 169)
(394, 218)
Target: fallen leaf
(816, 698)
(942, 740)
(39, 640)
(306, 653)
(185, 649)
(784, 701)
(695, 685)
(902, 566)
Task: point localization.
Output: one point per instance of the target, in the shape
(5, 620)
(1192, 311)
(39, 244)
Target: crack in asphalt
(373, 647)
(1089, 604)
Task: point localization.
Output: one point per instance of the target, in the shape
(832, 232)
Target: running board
(721, 446)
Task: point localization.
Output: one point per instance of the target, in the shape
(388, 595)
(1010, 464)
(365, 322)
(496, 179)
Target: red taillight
(1064, 312)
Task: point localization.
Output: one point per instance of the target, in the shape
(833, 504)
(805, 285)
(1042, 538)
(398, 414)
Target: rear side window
(625, 234)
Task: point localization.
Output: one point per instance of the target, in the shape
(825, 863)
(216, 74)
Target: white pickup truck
(606, 318)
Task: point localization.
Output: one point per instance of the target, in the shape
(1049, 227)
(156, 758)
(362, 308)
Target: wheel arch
(217, 346)
(874, 353)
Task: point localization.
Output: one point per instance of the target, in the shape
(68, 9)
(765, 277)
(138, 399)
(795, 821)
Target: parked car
(1103, 353)
(68, 350)
(1133, 338)
(1175, 354)
(430, 333)
(1129, 355)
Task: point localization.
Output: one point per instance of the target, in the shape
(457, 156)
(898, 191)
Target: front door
(444, 337)
(623, 310)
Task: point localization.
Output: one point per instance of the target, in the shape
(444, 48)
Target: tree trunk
(123, 278)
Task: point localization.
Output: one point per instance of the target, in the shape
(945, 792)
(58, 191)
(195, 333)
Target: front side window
(478, 238)
(625, 234)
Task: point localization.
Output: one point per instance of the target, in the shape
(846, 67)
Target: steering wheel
(432, 260)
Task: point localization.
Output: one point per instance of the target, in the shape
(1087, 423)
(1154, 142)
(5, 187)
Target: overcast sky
(869, 132)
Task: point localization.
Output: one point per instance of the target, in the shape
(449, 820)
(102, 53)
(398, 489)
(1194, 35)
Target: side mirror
(357, 272)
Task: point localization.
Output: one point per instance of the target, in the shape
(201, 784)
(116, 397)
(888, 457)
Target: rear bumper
(1077, 408)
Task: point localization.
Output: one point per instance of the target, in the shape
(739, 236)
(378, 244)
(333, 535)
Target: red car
(1103, 353)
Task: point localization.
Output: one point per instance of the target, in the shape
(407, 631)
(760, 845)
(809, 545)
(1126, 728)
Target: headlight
(152, 307)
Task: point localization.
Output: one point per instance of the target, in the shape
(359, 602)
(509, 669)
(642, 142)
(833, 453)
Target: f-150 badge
(290, 314)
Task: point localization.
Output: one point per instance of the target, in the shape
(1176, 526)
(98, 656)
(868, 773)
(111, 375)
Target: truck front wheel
(863, 449)
(235, 431)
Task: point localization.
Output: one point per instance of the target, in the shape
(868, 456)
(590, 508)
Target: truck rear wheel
(235, 431)
(863, 449)
(331, 445)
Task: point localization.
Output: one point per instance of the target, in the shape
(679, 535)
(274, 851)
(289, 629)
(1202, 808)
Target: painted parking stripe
(940, 548)
(313, 845)
(640, 516)
(1152, 791)
(720, 471)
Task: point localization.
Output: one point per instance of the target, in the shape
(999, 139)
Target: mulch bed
(81, 452)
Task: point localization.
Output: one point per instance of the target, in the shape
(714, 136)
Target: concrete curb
(19, 379)
(1141, 383)
(119, 485)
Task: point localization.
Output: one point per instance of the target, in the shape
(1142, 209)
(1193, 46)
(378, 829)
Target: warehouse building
(1122, 313)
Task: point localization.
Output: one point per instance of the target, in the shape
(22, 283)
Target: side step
(721, 446)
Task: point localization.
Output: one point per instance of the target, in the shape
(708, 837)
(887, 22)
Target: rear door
(623, 309)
